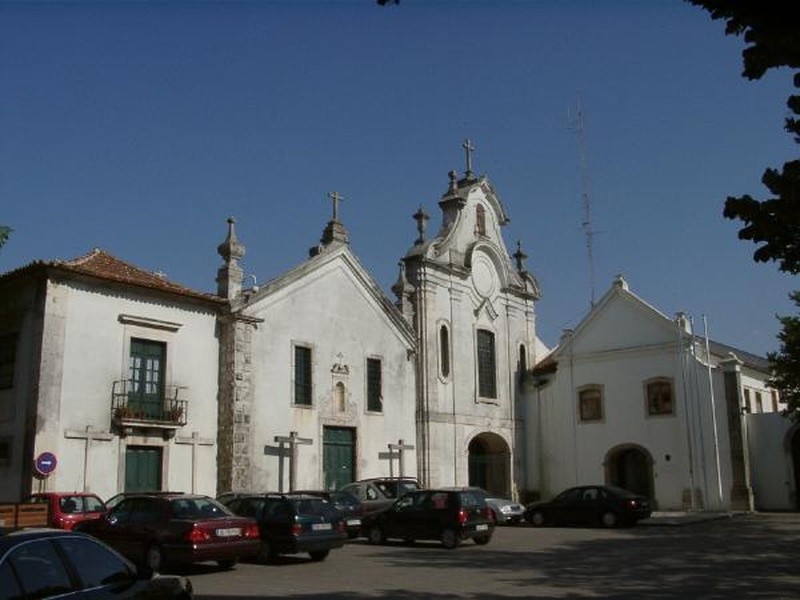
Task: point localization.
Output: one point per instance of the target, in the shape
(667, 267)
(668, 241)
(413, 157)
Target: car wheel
(318, 555)
(609, 519)
(227, 564)
(154, 559)
(482, 540)
(376, 535)
(449, 539)
(536, 518)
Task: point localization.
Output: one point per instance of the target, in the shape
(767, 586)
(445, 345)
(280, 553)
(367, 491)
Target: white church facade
(130, 381)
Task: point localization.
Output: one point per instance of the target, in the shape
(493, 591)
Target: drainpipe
(683, 328)
(713, 414)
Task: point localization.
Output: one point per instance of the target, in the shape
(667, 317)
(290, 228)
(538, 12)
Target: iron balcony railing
(129, 405)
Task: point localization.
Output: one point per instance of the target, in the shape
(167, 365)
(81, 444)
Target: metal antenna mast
(577, 125)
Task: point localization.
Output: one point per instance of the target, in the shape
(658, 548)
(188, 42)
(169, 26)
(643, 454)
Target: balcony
(132, 410)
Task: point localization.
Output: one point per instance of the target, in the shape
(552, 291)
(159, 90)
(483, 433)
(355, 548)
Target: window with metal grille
(302, 375)
(659, 397)
(487, 376)
(590, 403)
(374, 395)
(8, 355)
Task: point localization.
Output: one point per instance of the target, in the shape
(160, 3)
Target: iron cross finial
(468, 149)
(336, 198)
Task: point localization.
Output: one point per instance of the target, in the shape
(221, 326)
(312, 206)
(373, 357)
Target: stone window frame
(445, 354)
(660, 404)
(480, 220)
(298, 347)
(587, 413)
(373, 389)
(488, 368)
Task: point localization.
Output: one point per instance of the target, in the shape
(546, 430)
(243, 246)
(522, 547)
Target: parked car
(590, 505)
(292, 523)
(117, 498)
(157, 530)
(380, 492)
(505, 511)
(66, 509)
(347, 504)
(43, 563)
(449, 515)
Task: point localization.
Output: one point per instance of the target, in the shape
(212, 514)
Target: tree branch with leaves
(772, 32)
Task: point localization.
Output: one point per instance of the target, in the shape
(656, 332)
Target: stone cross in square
(195, 441)
(293, 440)
(400, 447)
(88, 436)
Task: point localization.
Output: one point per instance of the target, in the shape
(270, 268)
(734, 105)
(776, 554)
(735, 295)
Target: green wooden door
(146, 374)
(338, 456)
(142, 469)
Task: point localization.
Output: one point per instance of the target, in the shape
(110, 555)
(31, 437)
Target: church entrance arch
(490, 464)
(630, 466)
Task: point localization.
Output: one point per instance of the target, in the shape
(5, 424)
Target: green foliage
(786, 362)
(774, 222)
(771, 31)
(4, 233)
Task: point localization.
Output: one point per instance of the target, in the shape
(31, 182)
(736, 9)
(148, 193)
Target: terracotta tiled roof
(547, 365)
(102, 265)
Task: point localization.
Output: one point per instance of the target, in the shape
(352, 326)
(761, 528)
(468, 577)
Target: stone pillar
(741, 490)
(235, 436)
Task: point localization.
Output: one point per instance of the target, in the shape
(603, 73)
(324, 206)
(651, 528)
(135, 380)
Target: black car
(347, 504)
(157, 530)
(607, 506)
(50, 562)
(292, 523)
(449, 515)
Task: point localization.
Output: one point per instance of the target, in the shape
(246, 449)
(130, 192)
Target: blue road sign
(45, 463)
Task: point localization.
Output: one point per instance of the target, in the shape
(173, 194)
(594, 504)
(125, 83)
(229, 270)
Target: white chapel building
(113, 378)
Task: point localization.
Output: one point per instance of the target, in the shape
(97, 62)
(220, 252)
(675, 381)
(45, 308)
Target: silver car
(504, 511)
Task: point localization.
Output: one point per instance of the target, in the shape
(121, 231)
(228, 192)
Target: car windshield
(396, 488)
(80, 504)
(193, 508)
(344, 499)
(316, 507)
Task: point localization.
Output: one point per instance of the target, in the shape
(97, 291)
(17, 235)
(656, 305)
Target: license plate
(481, 527)
(320, 526)
(229, 532)
(354, 522)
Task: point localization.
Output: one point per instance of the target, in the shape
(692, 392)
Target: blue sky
(140, 127)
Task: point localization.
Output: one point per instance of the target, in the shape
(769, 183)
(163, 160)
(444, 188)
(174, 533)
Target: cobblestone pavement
(727, 556)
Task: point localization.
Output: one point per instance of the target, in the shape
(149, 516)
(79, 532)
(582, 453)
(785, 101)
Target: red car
(156, 530)
(66, 509)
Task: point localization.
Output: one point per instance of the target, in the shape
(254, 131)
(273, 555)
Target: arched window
(444, 351)
(487, 369)
(523, 363)
(480, 220)
(339, 400)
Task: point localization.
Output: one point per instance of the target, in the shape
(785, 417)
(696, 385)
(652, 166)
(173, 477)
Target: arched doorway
(490, 464)
(630, 467)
